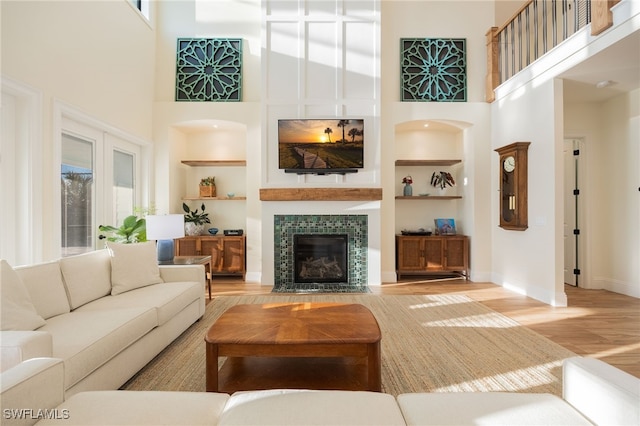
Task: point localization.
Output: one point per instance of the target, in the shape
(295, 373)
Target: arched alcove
(211, 148)
(422, 148)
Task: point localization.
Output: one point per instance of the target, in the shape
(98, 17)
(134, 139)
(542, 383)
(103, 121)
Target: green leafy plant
(194, 216)
(442, 179)
(208, 181)
(132, 230)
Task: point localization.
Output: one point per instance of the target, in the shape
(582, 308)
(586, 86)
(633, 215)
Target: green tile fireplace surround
(286, 226)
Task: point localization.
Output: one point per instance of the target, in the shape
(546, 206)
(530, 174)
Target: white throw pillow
(87, 276)
(133, 266)
(18, 312)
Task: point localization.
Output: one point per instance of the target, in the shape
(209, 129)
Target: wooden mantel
(320, 194)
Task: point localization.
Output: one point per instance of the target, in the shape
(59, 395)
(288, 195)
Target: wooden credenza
(228, 254)
(422, 255)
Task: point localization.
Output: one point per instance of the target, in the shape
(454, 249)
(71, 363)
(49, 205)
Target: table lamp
(164, 229)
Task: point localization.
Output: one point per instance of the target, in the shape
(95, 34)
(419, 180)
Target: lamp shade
(165, 227)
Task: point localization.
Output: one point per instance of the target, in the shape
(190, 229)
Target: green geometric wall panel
(209, 69)
(433, 69)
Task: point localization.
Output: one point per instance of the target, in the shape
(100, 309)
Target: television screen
(321, 144)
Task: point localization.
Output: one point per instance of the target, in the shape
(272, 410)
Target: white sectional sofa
(105, 314)
(593, 393)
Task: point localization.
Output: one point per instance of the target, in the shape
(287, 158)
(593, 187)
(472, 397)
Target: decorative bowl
(213, 231)
(231, 194)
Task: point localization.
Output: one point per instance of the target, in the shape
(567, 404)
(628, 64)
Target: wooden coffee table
(295, 330)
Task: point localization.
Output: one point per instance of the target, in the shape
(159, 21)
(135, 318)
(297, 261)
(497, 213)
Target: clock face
(509, 164)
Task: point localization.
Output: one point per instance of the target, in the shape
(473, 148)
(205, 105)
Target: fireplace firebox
(321, 258)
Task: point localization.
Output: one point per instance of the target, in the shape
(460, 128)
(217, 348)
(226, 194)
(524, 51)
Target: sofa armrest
(18, 346)
(29, 388)
(604, 394)
(181, 273)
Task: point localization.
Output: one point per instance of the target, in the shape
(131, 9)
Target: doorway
(572, 212)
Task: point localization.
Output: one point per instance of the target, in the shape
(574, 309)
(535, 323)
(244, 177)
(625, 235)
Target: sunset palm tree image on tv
(320, 144)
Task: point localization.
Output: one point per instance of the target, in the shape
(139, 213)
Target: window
(142, 6)
(77, 185)
(99, 184)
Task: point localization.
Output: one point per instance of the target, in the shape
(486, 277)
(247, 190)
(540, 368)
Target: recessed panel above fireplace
(320, 258)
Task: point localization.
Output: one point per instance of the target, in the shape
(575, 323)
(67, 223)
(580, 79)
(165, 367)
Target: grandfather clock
(513, 186)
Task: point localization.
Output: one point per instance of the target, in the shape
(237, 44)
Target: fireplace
(320, 258)
(337, 263)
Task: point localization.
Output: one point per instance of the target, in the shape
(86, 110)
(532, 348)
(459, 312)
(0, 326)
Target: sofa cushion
(133, 266)
(18, 312)
(168, 299)
(87, 339)
(87, 276)
(142, 408)
(45, 286)
(311, 407)
(487, 408)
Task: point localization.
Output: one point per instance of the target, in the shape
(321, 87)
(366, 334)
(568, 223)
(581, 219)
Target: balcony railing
(537, 27)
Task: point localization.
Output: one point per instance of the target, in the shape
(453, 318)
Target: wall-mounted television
(321, 146)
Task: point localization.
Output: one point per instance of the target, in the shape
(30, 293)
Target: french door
(99, 184)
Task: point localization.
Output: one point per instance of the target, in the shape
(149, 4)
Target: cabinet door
(233, 255)
(456, 254)
(434, 253)
(186, 247)
(213, 246)
(409, 252)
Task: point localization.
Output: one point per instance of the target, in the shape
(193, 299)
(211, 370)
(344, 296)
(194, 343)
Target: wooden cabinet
(228, 254)
(420, 255)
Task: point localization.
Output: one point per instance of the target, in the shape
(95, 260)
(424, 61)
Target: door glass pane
(123, 185)
(77, 191)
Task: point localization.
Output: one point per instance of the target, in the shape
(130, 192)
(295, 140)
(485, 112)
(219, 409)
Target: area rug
(430, 343)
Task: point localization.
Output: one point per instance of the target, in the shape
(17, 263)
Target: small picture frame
(446, 226)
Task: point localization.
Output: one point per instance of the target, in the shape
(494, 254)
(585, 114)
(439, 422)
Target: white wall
(529, 107)
(610, 172)
(321, 59)
(68, 52)
(172, 120)
(439, 19)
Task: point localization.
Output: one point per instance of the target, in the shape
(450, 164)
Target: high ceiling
(619, 64)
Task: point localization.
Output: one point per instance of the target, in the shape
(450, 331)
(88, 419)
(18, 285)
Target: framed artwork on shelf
(446, 226)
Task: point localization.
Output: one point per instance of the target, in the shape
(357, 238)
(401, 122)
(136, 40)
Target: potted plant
(442, 180)
(194, 221)
(132, 230)
(208, 186)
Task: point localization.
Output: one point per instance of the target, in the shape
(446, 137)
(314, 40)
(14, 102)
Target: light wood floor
(597, 323)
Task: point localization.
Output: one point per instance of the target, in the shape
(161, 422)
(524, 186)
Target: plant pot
(207, 190)
(408, 190)
(192, 229)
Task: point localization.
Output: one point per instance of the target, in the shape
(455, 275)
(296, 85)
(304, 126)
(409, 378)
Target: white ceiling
(619, 63)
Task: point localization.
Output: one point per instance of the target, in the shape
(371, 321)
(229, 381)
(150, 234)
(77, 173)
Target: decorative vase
(193, 229)
(408, 190)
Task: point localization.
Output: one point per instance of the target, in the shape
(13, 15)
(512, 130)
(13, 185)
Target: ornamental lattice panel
(209, 69)
(433, 69)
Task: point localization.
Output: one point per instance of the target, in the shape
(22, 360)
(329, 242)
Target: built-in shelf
(214, 198)
(427, 162)
(214, 163)
(428, 197)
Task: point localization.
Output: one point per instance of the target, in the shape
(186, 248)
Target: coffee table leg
(212, 367)
(374, 369)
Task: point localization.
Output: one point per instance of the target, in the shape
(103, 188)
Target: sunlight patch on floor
(518, 380)
(488, 320)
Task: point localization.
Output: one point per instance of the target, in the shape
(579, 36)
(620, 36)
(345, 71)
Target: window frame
(71, 121)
